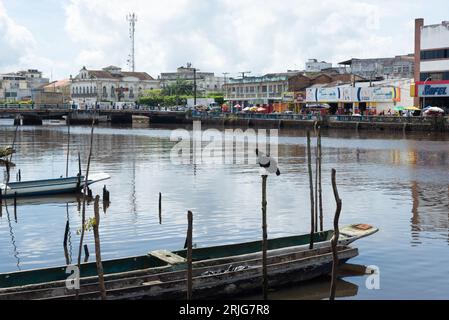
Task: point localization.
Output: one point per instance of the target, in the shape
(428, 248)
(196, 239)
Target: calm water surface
(397, 183)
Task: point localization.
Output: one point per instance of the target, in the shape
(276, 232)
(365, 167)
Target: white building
(380, 96)
(19, 86)
(110, 86)
(313, 65)
(431, 64)
(206, 82)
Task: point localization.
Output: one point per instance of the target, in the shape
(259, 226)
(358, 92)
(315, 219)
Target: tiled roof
(139, 75)
(101, 74)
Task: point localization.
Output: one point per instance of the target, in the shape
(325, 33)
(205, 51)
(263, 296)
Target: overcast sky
(60, 36)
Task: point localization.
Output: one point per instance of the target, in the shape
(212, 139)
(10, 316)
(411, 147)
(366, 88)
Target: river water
(397, 182)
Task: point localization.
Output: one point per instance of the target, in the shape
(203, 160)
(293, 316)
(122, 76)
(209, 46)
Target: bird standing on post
(267, 163)
(268, 166)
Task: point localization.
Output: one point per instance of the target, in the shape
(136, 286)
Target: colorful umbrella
(413, 108)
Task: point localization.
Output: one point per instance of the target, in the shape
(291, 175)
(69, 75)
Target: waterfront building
(367, 97)
(431, 64)
(278, 88)
(56, 93)
(206, 82)
(388, 68)
(313, 65)
(18, 86)
(109, 86)
(266, 89)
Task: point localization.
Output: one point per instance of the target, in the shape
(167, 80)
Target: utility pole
(225, 74)
(132, 19)
(243, 74)
(243, 80)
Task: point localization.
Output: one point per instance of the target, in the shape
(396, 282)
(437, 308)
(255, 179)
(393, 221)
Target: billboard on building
(435, 89)
(351, 94)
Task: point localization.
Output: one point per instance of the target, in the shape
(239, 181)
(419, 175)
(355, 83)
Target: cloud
(16, 41)
(228, 35)
(219, 36)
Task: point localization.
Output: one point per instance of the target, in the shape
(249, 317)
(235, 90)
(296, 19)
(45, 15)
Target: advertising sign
(434, 90)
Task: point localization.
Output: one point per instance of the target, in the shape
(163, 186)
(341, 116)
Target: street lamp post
(424, 93)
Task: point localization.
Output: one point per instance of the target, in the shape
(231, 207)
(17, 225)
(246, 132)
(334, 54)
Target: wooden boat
(48, 187)
(219, 271)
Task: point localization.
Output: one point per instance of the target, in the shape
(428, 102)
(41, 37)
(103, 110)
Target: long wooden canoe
(220, 270)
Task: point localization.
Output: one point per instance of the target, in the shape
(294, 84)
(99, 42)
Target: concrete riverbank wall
(266, 121)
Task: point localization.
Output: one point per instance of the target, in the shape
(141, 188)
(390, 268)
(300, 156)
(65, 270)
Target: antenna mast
(132, 19)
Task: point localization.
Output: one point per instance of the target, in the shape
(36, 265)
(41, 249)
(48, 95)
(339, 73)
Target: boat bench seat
(168, 256)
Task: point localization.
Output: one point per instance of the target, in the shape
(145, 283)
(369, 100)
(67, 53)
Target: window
(84, 90)
(435, 54)
(436, 76)
(131, 93)
(112, 91)
(105, 92)
(264, 88)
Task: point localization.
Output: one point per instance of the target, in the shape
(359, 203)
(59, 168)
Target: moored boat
(48, 186)
(218, 271)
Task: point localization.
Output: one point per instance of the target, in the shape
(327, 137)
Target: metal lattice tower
(132, 19)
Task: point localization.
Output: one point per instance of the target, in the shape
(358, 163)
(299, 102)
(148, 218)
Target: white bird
(267, 162)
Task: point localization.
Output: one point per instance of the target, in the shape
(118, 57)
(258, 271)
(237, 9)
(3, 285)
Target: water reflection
(317, 289)
(13, 238)
(399, 184)
(430, 212)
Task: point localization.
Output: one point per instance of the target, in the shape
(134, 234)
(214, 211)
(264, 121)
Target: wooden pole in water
(97, 248)
(160, 208)
(66, 235)
(264, 238)
(309, 162)
(334, 241)
(83, 215)
(79, 172)
(189, 255)
(86, 253)
(68, 147)
(320, 189)
(106, 194)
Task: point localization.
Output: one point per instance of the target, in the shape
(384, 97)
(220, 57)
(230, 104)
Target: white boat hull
(48, 187)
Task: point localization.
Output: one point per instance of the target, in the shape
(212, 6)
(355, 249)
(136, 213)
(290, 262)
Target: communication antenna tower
(132, 19)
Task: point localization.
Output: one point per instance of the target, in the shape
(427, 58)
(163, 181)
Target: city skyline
(60, 37)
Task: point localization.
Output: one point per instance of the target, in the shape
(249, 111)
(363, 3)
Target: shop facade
(358, 100)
